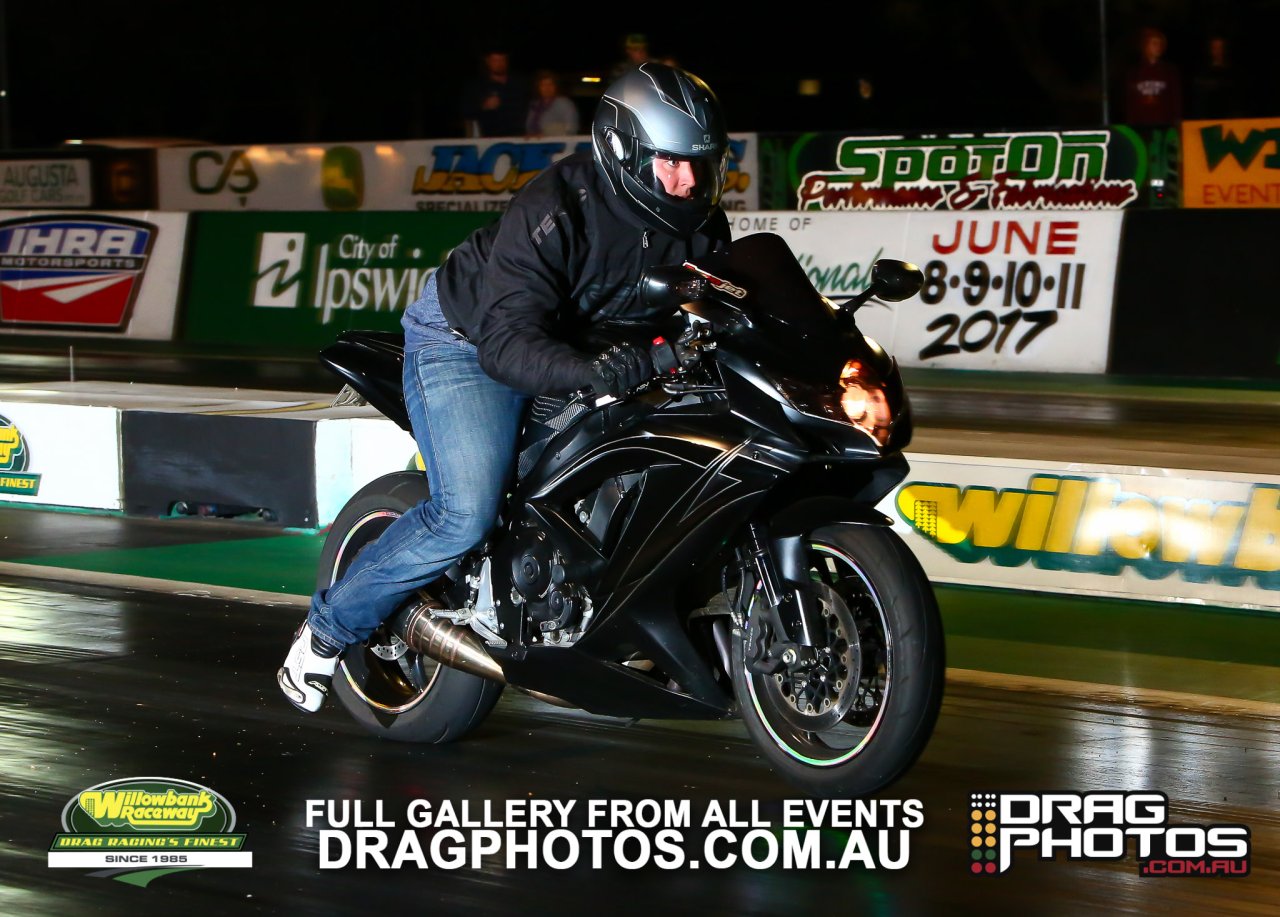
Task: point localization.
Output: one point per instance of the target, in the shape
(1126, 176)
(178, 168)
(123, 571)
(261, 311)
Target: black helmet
(659, 112)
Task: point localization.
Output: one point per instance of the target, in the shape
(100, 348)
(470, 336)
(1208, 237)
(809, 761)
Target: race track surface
(101, 682)
(97, 684)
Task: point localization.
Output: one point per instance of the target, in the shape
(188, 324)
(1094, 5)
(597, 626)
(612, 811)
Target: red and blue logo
(81, 271)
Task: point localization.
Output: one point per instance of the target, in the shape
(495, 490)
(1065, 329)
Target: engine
(555, 608)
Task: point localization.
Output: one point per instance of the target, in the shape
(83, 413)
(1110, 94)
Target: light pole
(4, 79)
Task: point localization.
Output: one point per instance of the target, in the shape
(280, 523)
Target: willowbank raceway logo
(15, 459)
(1100, 826)
(1096, 525)
(141, 828)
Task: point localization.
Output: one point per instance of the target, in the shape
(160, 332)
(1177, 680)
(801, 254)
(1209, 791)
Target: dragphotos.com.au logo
(1100, 826)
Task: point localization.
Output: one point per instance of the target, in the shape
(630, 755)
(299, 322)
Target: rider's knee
(461, 526)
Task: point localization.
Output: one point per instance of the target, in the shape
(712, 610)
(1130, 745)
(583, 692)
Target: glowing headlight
(864, 402)
(858, 399)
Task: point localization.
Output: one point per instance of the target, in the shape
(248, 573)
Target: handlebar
(670, 360)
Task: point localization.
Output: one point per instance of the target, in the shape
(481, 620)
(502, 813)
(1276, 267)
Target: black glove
(621, 367)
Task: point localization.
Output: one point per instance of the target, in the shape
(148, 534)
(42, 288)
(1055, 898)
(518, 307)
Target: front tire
(884, 652)
(387, 688)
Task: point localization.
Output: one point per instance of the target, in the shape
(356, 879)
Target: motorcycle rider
(489, 330)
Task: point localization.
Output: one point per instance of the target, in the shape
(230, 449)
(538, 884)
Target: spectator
(1214, 91)
(551, 114)
(635, 50)
(494, 104)
(1153, 91)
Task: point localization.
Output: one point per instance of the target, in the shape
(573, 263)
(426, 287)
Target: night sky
(235, 72)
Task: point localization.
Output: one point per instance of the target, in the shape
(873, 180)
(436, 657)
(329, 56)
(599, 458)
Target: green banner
(1102, 168)
(298, 279)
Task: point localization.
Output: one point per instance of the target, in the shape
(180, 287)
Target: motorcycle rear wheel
(861, 718)
(390, 690)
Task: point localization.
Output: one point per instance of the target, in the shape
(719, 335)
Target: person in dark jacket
(494, 104)
(489, 331)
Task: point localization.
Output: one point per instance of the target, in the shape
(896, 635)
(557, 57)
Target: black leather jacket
(565, 256)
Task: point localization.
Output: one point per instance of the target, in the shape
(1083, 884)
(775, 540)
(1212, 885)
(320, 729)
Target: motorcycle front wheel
(390, 690)
(857, 720)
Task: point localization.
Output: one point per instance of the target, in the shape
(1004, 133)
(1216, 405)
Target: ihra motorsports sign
(82, 271)
(148, 826)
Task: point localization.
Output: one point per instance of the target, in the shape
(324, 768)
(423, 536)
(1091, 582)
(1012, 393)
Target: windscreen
(774, 287)
(793, 327)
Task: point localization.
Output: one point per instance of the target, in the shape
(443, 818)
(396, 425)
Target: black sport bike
(706, 547)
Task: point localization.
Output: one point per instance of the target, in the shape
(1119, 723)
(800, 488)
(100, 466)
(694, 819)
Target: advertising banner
(85, 176)
(467, 175)
(298, 279)
(1023, 292)
(59, 454)
(1101, 169)
(41, 183)
(1137, 533)
(109, 274)
(1231, 163)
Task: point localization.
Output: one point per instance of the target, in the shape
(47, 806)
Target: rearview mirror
(891, 281)
(894, 281)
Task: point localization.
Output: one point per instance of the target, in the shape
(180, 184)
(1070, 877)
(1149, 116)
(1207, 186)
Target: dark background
(235, 72)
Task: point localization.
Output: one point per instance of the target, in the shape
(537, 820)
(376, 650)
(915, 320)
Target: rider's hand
(621, 367)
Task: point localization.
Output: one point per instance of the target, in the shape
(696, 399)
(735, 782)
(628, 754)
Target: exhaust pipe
(456, 647)
(448, 644)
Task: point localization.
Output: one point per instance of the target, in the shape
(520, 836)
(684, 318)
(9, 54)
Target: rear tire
(387, 688)
(855, 744)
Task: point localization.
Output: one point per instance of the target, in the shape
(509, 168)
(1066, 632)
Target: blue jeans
(466, 426)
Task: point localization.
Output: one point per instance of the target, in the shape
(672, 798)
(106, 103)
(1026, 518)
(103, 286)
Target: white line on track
(1123, 694)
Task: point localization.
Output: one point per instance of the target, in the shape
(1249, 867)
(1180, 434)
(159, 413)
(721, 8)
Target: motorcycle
(706, 547)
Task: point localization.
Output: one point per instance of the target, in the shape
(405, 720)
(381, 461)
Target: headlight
(864, 401)
(857, 398)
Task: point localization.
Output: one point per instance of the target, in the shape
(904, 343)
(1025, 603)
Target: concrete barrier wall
(1151, 533)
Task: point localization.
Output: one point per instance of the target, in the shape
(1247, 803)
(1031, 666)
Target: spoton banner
(1005, 291)
(1100, 169)
(298, 279)
(466, 174)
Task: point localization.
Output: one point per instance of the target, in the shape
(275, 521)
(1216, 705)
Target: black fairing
(372, 363)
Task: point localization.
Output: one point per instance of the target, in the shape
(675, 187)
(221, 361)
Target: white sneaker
(307, 673)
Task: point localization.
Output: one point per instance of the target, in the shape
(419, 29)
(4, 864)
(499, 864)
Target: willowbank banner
(469, 175)
(1137, 533)
(1100, 169)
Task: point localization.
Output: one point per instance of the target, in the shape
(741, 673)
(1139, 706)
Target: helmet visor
(696, 180)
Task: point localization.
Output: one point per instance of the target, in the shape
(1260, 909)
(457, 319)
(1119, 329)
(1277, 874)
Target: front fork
(791, 613)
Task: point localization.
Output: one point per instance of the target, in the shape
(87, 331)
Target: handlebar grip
(664, 356)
